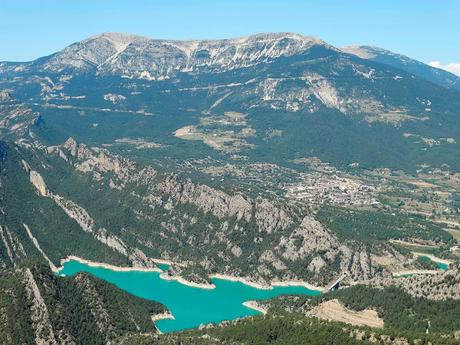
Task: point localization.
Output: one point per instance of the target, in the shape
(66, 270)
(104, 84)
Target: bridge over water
(335, 283)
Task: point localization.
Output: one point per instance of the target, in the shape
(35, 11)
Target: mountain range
(116, 53)
(272, 157)
(274, 78)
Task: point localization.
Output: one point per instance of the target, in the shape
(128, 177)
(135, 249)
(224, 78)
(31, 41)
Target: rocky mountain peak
(141, 57)
(71, 145)
(274, 36)
(118, 38)
(90, 52)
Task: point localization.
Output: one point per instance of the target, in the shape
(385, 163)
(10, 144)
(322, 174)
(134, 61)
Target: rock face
(37, 180)
(281, 236)
(14, 249)
(84, 220)
(115, 99)
(15, 116)
(4, 96)
(207, 199)
(267, 216)
(442, 286)
(113, 53)
(44, 334)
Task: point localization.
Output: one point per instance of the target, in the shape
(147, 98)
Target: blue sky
(428, 30)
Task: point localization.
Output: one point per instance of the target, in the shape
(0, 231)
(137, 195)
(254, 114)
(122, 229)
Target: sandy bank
(240, 280)
(254, 305)
(266, 286)
(433, 258)
(163, 316)
(183, 281)
(108, 266)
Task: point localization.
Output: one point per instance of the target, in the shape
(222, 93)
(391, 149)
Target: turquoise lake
(190, 306)
(441, 265)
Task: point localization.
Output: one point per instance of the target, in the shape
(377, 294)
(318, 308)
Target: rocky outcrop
(36, 179)
(79, 214)
(75, 212)
(97, 161)
(5, 96)
(310, 237)
(268, 216)
(44, 333)
(17, 118)
(87, 224)
(296, 237)
(12, 246)
(37, 246)
(312, 240)
(207, 199)
(316, 265)
(441, 286)
(115, 99)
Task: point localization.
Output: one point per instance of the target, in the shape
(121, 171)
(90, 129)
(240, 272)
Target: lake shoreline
(255, 306)
(181, 280)
(266, 286)
(188, 304)
(163, 316)
(433, 258)
(107, 266)
(184, 281)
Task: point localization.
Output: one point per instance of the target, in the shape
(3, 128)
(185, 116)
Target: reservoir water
(441, 265)
(190, 306)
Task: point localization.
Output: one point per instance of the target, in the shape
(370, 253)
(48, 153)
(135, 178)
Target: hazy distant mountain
(435, 75)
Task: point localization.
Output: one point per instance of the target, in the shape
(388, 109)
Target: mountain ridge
(137, 56)
(113, 53)
(403, 62)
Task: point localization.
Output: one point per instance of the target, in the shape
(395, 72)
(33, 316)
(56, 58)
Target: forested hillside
(37, 307)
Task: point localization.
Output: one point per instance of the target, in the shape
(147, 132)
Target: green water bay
(190, 306)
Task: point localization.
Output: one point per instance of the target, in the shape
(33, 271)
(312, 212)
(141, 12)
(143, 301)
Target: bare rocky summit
(141, 57)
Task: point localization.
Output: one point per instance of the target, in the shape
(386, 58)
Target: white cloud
(450, 67)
